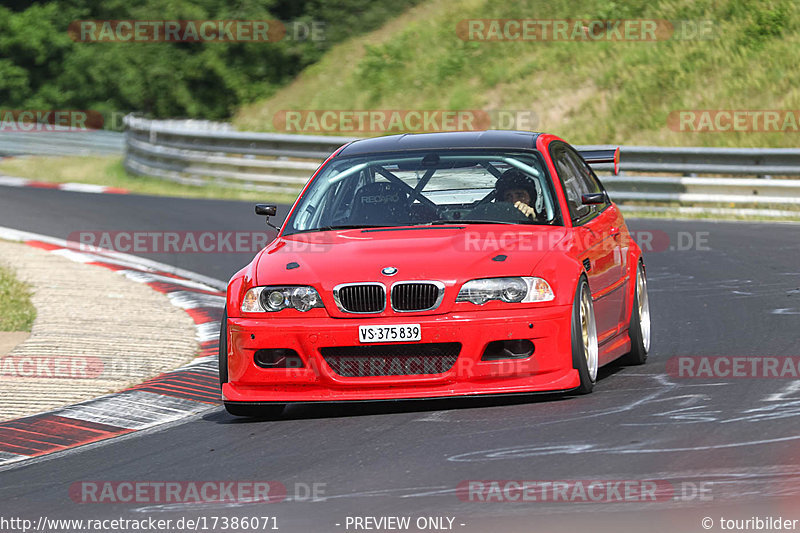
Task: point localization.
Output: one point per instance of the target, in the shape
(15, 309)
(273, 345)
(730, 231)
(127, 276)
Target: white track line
(132, 409)
(12, 234)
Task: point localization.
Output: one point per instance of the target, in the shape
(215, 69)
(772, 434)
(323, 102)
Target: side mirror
(594, 198)
(267, 210)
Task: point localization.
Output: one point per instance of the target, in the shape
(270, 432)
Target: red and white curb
(166, 398)
(12, 181)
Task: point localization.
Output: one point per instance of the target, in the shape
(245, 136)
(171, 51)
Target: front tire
(639, 328)
(585, 351)
(223, 348)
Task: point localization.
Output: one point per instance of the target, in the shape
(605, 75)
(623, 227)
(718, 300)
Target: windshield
(436, 187)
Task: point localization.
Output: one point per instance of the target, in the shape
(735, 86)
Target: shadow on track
(319, 410)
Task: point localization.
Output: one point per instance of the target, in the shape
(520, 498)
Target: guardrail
(192, 152)
(97, 142)
(197, 151)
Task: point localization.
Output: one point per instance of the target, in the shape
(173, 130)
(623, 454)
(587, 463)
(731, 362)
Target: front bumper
(548, 369)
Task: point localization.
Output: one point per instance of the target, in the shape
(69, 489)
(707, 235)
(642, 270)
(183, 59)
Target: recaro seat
(381, 204)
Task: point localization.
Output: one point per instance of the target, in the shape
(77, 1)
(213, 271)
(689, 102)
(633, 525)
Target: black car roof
(520, 140)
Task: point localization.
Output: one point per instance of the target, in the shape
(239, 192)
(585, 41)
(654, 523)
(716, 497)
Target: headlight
(511, 290)
(272, 299)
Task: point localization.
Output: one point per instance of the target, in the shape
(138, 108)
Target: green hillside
(588, 91)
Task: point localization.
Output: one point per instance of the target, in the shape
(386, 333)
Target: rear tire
(584, 337)
(639, 328)
(254, 410)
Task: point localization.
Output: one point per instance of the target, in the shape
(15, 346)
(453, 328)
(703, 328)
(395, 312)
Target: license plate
(398, 333)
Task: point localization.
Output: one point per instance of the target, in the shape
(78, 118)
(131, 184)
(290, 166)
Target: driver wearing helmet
(513, 186)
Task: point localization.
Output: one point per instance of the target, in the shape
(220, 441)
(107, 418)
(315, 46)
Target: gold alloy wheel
(589, 332)
(644, 307)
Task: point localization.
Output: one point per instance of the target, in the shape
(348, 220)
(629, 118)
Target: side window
(570, 179)
(587, 177)
(577, 179)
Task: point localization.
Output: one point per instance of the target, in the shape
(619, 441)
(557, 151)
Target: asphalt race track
(737, 293)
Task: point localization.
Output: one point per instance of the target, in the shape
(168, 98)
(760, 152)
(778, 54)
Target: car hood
(447, 253)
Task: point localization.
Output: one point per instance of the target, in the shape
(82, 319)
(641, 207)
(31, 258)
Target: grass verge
(589, 92)
(109, 171)
(16, 310)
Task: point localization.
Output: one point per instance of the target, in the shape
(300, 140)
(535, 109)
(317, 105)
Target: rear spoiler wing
(602, 156)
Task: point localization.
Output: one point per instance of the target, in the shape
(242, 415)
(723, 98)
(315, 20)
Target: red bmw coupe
(437, 265)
